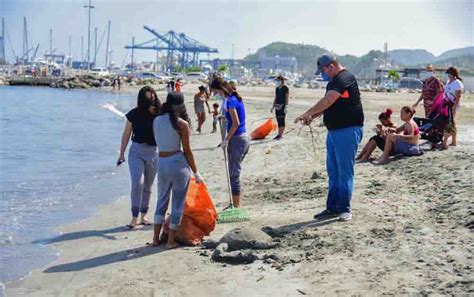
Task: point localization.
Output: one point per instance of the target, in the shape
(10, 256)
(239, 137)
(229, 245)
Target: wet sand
(411, 233)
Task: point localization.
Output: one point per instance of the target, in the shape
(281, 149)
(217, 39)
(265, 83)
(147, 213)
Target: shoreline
(262, 190)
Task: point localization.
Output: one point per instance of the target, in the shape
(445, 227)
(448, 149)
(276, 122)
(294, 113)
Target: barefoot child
(215, 115)
(378, 140)
(405, 143)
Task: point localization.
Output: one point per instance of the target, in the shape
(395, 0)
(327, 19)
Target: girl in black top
(143, 153)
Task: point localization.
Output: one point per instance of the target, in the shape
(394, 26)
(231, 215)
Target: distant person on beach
(142, 154)
(344, 119)
(233, 84)
(201, 99)
(215, 116)
(386, 125)
(432, 86)
(404, 140)
(178, 85)
(452, 96)
(116, 82)
(172, 132)
(236, 141)
(170, 86)
(280, 105)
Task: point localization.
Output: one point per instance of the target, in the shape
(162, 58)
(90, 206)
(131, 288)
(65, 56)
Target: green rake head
(231, 215)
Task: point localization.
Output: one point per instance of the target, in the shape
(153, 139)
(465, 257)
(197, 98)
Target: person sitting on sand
(405, 143)
(199, 100)
(378, 140)
(172, 131)
(142, 154)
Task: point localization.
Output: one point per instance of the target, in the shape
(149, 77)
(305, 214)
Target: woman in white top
(452, 94)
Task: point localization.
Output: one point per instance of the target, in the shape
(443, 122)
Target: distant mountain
(365, 65)
(456, 53)
(465, 62)
(411, 57)
(305, 54)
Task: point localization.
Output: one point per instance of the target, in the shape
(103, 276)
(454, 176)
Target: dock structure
(179, 48)
(32, 81)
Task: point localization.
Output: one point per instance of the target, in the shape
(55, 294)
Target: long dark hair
(454, 72)
(174, 105)
(219, 83)
(144, 102)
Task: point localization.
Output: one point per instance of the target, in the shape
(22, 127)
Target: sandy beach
(412, 230)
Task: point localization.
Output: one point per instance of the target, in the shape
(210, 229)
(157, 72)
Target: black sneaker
(325, 214)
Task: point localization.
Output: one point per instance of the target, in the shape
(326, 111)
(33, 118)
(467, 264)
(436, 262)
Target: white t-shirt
(451, 88)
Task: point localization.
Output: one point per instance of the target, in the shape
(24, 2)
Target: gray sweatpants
(142, 164)
(174, 175)
(237, 149)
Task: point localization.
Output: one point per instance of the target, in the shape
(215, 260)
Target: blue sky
(346, 27)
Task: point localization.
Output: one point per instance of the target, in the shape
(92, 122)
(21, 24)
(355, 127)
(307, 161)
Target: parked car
(144, 75)
(164, 76)
(177, 75)
(196, 76)
(100, 71)
(270, 78)
(410, 83)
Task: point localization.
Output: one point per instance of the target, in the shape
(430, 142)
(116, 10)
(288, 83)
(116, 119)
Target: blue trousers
(341, 149)
(142, 165)
(174, 175)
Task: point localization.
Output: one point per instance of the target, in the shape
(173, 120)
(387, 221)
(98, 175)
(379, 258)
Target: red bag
(263, 130)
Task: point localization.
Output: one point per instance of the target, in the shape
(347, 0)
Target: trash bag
(199, 218)
(188, 233)
(200, 208)
(263, 130)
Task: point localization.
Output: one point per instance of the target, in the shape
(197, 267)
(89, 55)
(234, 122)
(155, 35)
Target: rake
(232, 213)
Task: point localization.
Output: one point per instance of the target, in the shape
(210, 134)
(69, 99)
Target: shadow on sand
(287, 229)
(121, 256)
(104, 233)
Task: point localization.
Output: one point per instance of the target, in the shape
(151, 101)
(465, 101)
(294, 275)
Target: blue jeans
(341, 148)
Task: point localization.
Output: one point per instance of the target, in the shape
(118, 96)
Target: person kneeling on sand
(382, 129)
(171, 130)
(405, 143)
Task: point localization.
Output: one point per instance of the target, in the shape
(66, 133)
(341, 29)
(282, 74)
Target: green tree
(394, 75)
(223, 68)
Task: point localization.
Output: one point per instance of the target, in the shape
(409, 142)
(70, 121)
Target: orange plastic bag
(199, 218)
(200, 208)
(263, 130)
(188, 233)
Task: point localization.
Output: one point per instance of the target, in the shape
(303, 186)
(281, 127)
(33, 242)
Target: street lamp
(89, 35)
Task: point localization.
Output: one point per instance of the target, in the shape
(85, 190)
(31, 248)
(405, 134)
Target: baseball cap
(280, 77)
(324, 60)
